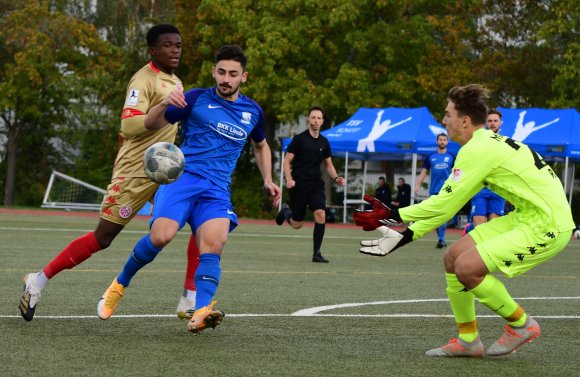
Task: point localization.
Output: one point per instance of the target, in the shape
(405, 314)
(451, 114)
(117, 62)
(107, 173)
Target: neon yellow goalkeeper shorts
(513, 247)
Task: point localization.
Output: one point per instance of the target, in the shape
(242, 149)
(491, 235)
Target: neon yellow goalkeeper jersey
(509, 168)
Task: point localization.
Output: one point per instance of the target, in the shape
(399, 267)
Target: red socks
(192, 264)
(74, 254)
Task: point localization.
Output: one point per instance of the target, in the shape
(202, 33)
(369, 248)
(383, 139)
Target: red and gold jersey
(148, 87)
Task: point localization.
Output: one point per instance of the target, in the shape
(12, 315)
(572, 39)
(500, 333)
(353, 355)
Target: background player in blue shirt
(486, 204)
(440, 164)
(216, 122)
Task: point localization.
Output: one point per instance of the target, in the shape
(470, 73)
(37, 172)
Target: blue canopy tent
(395, 133)
(381, 134)
(551, 133)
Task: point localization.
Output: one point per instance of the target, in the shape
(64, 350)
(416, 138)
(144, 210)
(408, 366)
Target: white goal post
(66, 192)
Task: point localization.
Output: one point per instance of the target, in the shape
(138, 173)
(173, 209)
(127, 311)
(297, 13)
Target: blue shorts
(195, 200)
(484, 204)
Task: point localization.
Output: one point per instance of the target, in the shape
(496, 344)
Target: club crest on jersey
(229, 130)
(246, 117)
(125, 212)
(132, 97)
(456, 174)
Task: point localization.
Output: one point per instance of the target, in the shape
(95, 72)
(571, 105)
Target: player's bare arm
(290, 183)
(420, 180)
(331, 170)
(155, 119)
(263, 157)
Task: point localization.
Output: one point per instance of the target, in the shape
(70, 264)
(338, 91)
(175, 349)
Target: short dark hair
(383, 178)
(442, 134)
(157, 30)
(469, 101)
(493, 110)
(314, 108)
(231, 52)
(402, 179)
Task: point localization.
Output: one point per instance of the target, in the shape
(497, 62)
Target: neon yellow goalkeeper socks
(492, 293)
(462, 305)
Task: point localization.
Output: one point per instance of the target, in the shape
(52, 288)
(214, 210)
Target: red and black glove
(371, 219)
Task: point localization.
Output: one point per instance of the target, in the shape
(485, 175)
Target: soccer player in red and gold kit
(129, 189)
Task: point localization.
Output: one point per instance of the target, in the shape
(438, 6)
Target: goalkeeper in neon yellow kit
(539, 228)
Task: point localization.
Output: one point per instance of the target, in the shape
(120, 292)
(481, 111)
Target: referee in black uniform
(304, 181)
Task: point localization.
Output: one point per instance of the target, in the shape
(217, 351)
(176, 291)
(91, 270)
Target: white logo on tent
(379, 128)
(522, 130)
(436, 130)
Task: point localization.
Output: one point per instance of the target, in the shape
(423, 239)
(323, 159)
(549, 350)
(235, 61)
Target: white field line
(232, 235)
(315, 312)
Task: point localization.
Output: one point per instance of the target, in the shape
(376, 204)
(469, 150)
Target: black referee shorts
(302, 195)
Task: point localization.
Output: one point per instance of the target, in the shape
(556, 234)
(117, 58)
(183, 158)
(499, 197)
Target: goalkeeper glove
(371, 219)
(391, 240)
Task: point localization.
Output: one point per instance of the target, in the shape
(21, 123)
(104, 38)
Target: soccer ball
(164, 162)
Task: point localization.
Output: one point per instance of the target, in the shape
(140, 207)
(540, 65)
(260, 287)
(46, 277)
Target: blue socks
(206, 279)
(469, 228)
(441, 232)
(143, 253)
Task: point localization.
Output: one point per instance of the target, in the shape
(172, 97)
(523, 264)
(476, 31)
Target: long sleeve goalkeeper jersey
(509, 168)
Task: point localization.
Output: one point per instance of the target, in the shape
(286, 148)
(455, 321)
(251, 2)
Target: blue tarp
(551, 133)
(392, 133)
(386, 133)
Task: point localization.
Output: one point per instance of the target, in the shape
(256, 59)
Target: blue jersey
(487, 194)
(439, 164)
(214, 132)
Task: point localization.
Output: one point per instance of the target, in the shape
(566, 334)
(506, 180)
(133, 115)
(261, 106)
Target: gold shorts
(125, 197)
(513, 247)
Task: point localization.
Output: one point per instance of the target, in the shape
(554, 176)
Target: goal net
(66, 192)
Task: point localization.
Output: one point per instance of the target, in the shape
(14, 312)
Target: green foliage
(248, 194)
(343, 54)
(64, 65)
(562, 31)
(51, 67)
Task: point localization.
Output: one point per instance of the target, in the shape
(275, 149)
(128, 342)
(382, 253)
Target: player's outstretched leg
(186, 305)
(284, 214)
(205, 317)
(458, 348)
(110, 300)
(513, 337)
(30, 296)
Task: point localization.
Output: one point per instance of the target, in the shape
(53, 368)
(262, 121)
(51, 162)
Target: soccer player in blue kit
(440, 164)
(216, 122)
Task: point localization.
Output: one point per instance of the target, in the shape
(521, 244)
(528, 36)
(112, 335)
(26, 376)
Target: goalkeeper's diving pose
(538, 230)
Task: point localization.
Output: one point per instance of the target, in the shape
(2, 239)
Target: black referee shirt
(308, 155)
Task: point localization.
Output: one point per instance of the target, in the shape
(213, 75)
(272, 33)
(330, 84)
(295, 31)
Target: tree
(343, 54)
(49, 67)
(562, 31)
